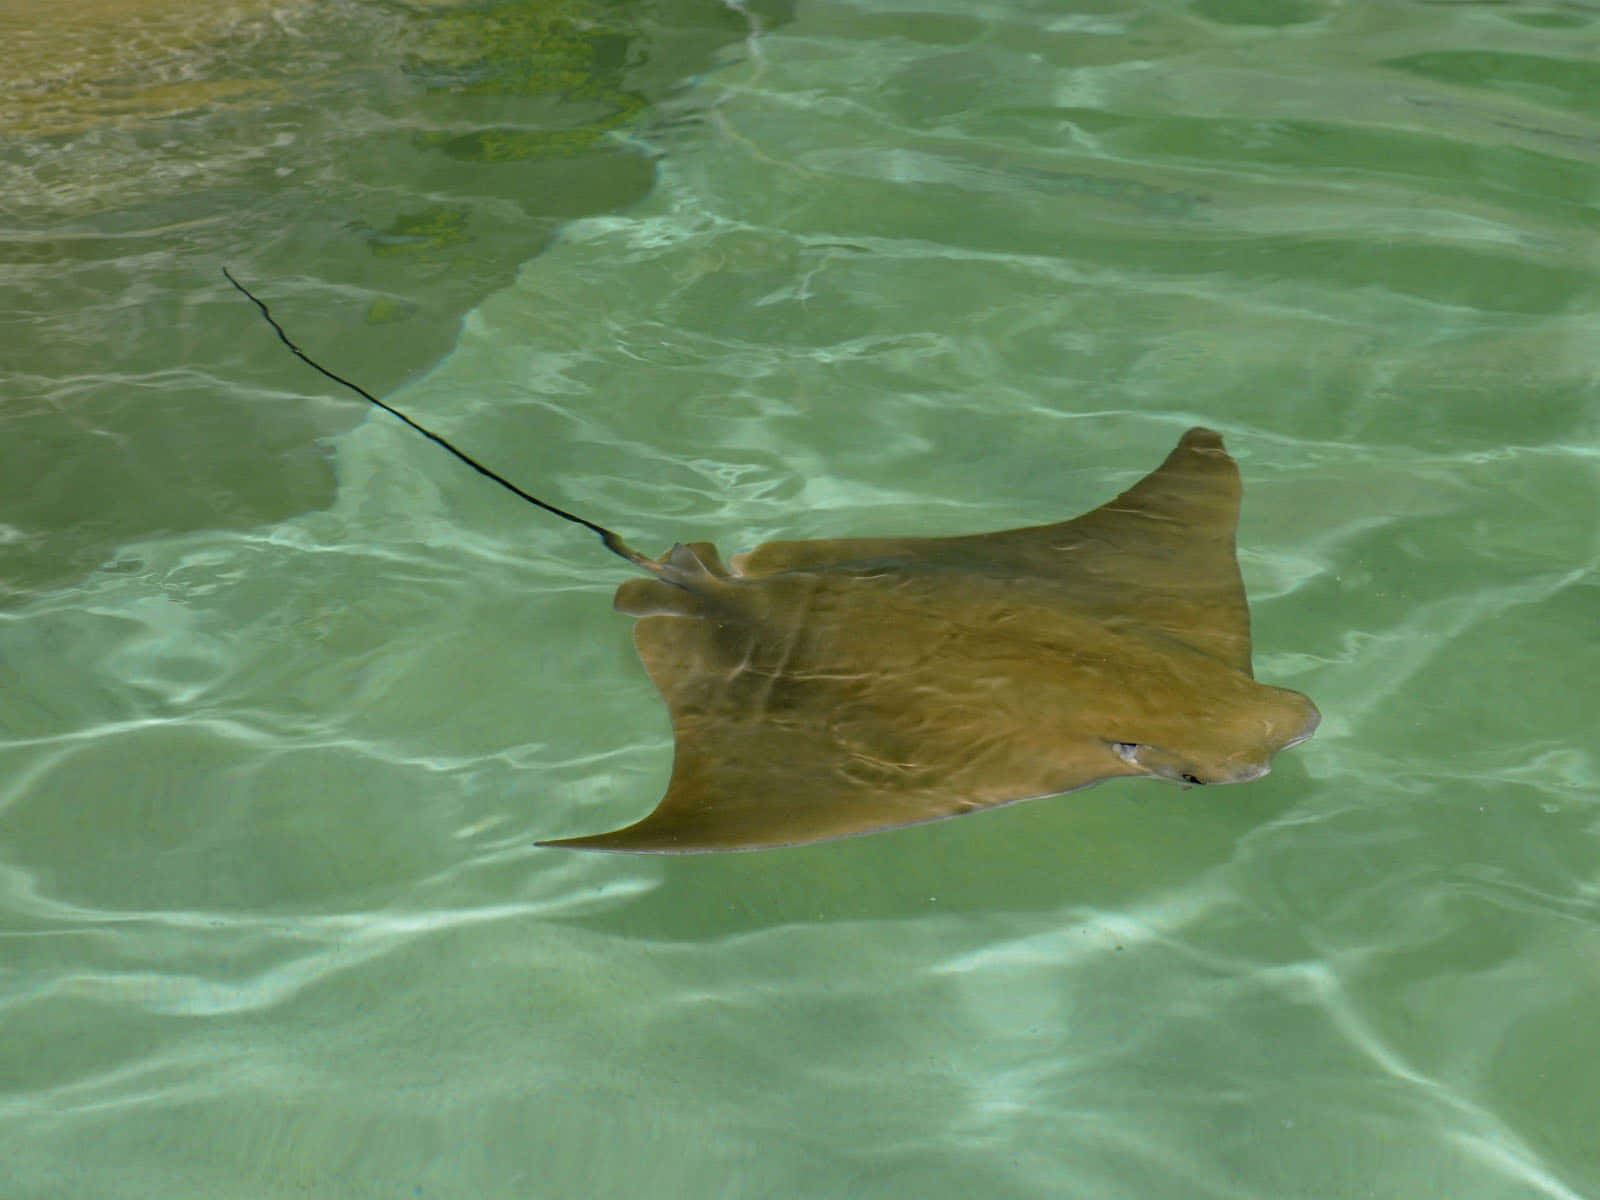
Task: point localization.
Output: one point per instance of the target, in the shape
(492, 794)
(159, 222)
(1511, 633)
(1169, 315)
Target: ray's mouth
(1304, 734)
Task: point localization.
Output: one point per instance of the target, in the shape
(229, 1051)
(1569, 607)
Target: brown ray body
(820, 689)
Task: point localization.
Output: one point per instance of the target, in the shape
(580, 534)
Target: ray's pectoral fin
(744, 785)
(1160, 554)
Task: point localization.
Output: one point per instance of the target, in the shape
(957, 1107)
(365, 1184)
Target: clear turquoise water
(286, 695)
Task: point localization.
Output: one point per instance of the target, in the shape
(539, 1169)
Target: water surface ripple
(280, 719)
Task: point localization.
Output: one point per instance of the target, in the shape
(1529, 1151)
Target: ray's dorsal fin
(687, 574)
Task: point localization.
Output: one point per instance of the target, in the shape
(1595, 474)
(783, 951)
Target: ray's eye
(1187, 778)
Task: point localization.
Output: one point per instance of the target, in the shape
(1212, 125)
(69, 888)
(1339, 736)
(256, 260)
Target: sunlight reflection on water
(276, 750)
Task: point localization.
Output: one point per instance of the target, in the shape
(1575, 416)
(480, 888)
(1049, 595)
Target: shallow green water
(288, 694)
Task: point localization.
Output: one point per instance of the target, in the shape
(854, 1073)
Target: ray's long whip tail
(611, 540)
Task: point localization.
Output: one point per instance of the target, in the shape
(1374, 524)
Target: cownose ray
(821, 689)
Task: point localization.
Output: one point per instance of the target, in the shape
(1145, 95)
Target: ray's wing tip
(605, 843)
(635, 839)
(1198, 437)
